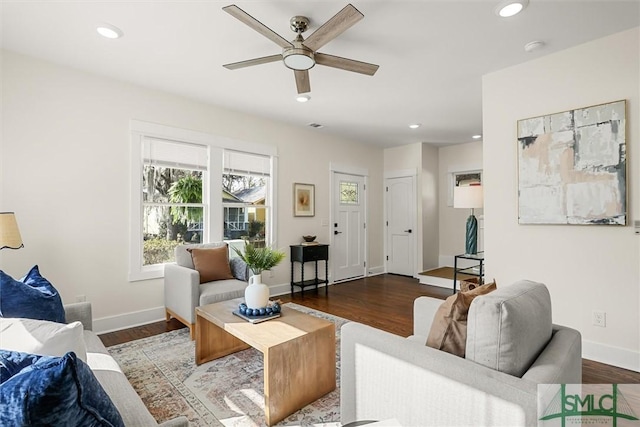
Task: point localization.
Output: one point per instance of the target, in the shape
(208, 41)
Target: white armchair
(386, 376)
(183, 291)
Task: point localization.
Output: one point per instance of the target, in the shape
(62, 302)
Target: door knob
(337, 232)
(407, 231)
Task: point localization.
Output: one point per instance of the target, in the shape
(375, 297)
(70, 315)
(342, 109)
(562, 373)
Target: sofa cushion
(42, 337)
(211, 263)
(222, 290)
(449, 328)
(183, 256)
(56, 391)
(509, 328)
(33, 297)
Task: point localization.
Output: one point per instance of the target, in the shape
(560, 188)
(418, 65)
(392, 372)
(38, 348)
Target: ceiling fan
(299, 54)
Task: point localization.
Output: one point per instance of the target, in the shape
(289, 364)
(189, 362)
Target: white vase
(256, 295)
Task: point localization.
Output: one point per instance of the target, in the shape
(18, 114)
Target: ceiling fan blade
(255, 61)
(302, 81)
(335, 26)
(346, 64)
(252, 22)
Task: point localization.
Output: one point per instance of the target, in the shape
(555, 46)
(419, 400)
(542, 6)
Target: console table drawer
(309, 253)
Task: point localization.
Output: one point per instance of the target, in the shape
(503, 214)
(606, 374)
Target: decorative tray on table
(257, 315)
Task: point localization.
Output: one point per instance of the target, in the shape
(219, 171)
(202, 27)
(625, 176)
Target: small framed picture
(304, 199)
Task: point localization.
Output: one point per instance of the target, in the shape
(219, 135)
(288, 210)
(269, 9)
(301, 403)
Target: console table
(306, 253)
(475, 270)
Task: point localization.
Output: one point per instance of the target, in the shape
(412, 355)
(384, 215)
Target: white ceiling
(432, 55)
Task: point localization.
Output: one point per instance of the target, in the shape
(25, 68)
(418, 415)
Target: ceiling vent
(315, 125)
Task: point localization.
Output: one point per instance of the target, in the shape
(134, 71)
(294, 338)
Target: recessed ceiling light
(303, 98)
(415, 125)
(509, 8)
(476, 136)
(109, 31)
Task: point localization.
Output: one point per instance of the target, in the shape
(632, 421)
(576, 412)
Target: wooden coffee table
(299, 353)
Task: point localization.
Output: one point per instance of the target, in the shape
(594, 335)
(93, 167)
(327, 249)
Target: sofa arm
(181, 291)
(384, 376)
(561, 360)
(424, 308)
(176, 422)
(81, 312)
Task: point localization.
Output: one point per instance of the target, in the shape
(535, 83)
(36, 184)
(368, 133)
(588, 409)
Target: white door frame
(351, 170)
(403, 173)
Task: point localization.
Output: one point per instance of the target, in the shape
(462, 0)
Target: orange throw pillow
(212, 263)
(449, 329)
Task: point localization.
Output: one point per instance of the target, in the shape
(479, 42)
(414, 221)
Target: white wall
(585, 267)
(456, 158)
(429, 193)
(65, 171)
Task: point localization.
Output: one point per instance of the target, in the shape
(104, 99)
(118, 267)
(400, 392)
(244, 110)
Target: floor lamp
(9, 232)
(469, 197)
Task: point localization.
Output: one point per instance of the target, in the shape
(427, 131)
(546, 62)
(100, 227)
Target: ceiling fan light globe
(299, 59)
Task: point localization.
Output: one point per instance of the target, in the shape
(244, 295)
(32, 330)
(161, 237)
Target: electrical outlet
(600, 318)
(81, 298)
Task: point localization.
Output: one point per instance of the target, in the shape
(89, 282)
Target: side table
(306, 253)
(475, 270)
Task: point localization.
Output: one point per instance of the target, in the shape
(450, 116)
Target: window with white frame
(173, 205)
(246, 197)
(192, 187)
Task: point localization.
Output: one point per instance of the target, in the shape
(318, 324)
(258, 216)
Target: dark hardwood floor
(384, 302)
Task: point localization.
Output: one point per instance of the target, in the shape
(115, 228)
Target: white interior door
(401, 213)
(348, 227)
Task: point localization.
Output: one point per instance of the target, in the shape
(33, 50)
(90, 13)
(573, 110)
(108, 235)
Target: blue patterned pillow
(33, 297)
(53, 391)
(239, 269)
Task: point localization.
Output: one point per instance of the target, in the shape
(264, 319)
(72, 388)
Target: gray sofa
(183, 291)
(111, 378)
(385, 376)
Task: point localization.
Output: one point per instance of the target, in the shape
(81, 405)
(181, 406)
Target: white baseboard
(375, 271)
(436, 281)
(128, 320)
(616, 356)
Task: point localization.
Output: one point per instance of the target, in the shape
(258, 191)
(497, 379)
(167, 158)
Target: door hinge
(364, 225)
(364, 186)
(387, 189)
(387, 257)
(387, 223)
(365, 264)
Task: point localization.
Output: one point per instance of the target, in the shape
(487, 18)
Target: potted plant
(258, 259)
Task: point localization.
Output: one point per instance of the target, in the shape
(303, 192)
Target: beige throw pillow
(449, 329)
(212, 263)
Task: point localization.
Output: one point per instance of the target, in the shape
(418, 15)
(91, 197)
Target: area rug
(225, 392)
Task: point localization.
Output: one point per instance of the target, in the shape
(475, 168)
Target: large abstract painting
(572, 167)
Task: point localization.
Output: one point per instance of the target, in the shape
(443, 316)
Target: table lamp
(469, 197)
(9, 232)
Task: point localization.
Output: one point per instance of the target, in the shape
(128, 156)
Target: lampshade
(9, 233)
(470, 196)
